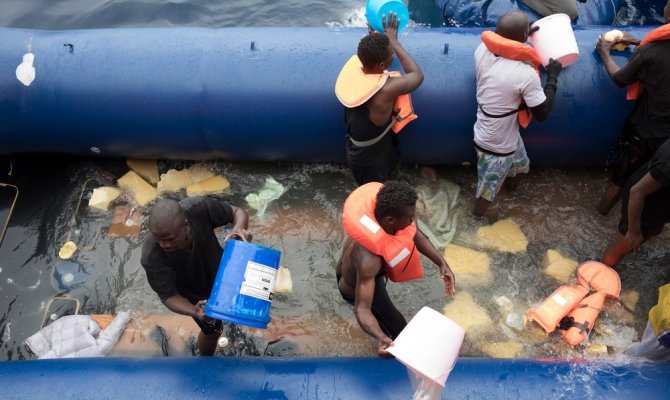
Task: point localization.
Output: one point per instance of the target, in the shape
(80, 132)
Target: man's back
(501, 86)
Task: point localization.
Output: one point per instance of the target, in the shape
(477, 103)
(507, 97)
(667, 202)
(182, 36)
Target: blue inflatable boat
(267, 94)
(324, 378)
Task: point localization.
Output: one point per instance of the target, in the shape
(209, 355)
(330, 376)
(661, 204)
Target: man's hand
(633, 239)
(200, 309)
(384, 343)
(603, 46)
(391, 27)
(553, 68)
(449, 281)
(240, 233)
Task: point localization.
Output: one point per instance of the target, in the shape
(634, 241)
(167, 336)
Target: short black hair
(393, 198)
(165, 213)
(373, 49)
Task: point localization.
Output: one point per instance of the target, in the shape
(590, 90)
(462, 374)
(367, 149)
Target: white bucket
(555, 39)
(429, 345)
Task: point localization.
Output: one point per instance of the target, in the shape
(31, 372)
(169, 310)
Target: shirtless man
(388, 211)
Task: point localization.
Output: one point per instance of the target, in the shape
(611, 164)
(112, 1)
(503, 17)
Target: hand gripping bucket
(429, 345)
(374, 9)
(555, 39)
(244, 284)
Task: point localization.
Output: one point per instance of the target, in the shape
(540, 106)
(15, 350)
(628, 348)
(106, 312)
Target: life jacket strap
(368, 143)
(507, 114)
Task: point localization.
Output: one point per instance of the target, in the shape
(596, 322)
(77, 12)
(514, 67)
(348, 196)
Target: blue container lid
(376, 8)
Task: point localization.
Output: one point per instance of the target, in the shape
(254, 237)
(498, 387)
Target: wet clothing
(376, 162)
(492, 169)
(548, 7)
(389, 318)
(191, 273)
(656, 211)
(502, 85)
(648, 124)
(655, 343)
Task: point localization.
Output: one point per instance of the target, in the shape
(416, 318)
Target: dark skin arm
(367, 269)
(426, 248)
(604, 47)
(240, 225)
(643, 188)
(181, 305)
(381, 104)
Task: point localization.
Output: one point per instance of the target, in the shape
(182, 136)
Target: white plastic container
(555, 39)
(429, 345)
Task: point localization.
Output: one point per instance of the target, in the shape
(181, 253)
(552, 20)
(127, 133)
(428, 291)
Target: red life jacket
(661, 33)
(513, 50)
(402, 260)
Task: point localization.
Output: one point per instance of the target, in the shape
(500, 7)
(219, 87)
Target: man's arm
(426, 248)
(643, 188)
(368, 268)
(603, 47)
(180, 305)
(542, 111)
(240, 224)
(413, 75)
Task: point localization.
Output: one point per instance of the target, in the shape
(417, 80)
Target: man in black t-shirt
(645, 208)
(181, 256)
(648, 125)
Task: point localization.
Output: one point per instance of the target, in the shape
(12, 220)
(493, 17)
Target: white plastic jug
(429, 345)
(555, 39)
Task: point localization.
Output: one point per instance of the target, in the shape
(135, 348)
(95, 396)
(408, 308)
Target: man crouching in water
(383, 242)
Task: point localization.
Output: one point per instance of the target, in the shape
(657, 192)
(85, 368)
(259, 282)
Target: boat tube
(317, 378)
(267, 94)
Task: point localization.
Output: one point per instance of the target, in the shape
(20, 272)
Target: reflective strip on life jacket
(582, 319)
(402, 261)
(661, 33)
(513, 50)
(556, 306)
(596, 275)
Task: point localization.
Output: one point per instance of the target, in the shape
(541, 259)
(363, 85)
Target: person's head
(396, 205)
(375, 52)
(513, 25)
(169, 226)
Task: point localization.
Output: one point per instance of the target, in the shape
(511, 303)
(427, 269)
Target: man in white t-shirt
(505, 87)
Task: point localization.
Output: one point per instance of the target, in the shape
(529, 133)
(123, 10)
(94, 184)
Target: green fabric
(272, 190)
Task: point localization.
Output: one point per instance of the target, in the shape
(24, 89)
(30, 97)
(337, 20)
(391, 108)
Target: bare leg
(481, 205)
(616, 250)
(207, 343)
(513, 182)
(609, 198)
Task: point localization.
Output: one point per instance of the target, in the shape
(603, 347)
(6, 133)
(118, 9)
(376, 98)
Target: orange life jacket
(661, 33)
(549, 314)
(513, 50)
(570, 310)
(354, 87)
(402, 260)
(579, 322)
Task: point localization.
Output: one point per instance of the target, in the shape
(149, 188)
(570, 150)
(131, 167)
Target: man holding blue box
(181, 256)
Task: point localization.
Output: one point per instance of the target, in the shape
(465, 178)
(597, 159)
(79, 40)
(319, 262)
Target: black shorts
(209, 326)
(389, 318)
(629, 153)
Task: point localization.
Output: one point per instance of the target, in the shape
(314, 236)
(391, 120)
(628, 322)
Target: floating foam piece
(215, 184)
(471, 267)
(102, 197)
(505, 235)
(142, 192)
(126, 222)
(465, 312)
(174, 180)
(558, 267)
(147, 169)
(502, 349)
(283, 282)
(597, 349)
(67, 250)
(618, 312)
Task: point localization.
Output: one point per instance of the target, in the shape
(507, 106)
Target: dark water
(554, 207)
